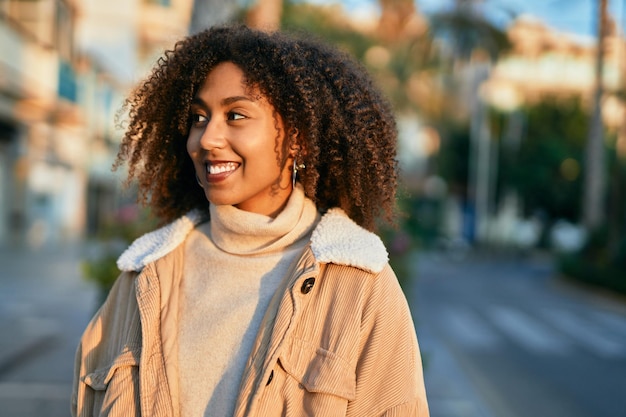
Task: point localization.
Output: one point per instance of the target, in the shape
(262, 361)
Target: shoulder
(337, 239)
(158, 243)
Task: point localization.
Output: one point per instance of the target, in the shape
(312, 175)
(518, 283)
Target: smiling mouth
(221, 168)
(219, 171)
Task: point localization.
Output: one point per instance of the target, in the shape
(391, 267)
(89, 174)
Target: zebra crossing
(544, 330)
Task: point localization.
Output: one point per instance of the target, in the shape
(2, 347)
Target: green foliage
(616, 201)
(407, 56)
(453, 158)
(599, 263)
(467, 32)
(602, 260)
(411, 57)
(401, 241)
(546, 168)
(322, 22)
(424, 216)
(102, 270)
(113, 237)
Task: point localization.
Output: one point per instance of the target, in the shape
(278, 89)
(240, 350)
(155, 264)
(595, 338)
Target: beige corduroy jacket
(336, 340)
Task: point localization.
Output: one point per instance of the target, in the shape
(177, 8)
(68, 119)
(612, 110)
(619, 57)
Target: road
(526, 344)
(500, 337)
(44, 306)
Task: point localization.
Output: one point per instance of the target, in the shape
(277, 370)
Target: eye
(198, 119)
(235, 116)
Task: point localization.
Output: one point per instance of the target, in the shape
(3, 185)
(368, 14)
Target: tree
(545, 169)
(325, 23)
(475, 43)
(595, 178)
(466, 29)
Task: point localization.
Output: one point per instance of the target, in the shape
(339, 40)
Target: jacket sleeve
(107, 357)
(389, 369)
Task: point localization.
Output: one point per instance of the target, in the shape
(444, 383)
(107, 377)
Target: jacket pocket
(307, 381)
(318, 370)
(115, 387)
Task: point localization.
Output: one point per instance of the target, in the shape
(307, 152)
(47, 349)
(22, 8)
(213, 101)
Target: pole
(595, 176)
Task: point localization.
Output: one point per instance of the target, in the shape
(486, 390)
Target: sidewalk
(44, 306)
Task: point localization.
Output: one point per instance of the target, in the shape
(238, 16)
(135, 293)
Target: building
(65, 68)
(544, 62)
(42, 145)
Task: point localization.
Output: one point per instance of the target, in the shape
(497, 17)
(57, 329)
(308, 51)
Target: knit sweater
(233, 265)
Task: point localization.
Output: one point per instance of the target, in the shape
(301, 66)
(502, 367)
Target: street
(44, 306)
(527, 343)
(500, 337)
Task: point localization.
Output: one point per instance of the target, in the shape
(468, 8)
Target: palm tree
(595, 177)
(468, 31)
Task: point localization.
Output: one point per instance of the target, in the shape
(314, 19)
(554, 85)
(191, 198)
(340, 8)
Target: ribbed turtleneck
(233, 265)
(243, 233)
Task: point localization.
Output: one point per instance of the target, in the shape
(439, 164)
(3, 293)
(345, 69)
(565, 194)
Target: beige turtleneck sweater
(233, 265)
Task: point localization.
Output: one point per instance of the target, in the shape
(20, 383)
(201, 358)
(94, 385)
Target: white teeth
(220, 168)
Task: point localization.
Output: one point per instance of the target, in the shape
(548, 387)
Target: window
(47, 22)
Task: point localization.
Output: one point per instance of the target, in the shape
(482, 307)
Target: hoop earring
(199, 182)
(294, 172)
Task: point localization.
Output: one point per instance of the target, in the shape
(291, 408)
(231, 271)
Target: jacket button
(270, 378)
(307, 285)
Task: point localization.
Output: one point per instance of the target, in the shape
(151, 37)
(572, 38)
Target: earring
(294, 173)
(199, 182)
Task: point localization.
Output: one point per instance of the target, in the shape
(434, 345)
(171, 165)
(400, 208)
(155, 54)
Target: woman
(268, 159)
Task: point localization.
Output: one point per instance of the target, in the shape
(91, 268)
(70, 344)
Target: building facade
(42, 145)
(65, 70)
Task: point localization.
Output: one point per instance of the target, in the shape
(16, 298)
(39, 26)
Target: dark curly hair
(343, 123)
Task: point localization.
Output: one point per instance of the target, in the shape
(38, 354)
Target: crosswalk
(542, 330)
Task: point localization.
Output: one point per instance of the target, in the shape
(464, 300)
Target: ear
(294, 150)
(294, 143)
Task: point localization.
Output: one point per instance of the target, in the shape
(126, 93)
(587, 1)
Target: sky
(576, 17)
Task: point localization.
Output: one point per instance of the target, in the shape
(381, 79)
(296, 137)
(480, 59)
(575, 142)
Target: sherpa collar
(336, 239)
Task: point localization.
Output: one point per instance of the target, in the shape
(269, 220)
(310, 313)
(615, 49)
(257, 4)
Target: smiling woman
(232, 142)
(269, 159)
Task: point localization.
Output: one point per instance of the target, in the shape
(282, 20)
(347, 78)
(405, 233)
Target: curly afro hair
(344, 125)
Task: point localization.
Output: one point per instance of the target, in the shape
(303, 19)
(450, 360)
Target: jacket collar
(336, 239)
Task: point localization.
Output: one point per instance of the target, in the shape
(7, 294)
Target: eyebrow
(225, 102)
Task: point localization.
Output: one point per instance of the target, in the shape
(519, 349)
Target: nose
(214, 135)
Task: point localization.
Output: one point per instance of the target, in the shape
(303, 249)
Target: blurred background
(512, 127)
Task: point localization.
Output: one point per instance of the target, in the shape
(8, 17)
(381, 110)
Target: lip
(221, 176)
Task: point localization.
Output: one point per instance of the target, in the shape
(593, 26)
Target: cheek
(192, 145)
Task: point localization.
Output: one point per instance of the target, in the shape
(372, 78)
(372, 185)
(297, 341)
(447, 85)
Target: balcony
(29, 73)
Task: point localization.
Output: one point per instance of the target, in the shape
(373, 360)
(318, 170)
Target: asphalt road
(500, 337)
(526, 343)
(44, 306)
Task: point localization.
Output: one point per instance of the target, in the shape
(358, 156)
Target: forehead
(227, 80)
(227, 75)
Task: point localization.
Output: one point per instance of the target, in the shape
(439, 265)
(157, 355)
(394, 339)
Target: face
(234, 142)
